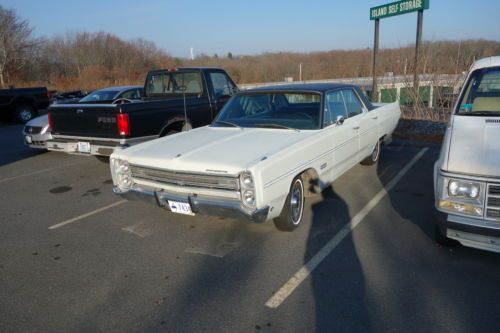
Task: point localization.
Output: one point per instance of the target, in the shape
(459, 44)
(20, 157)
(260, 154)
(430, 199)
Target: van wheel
(374, 156)
(291, 215)
(24, 113)
(441, 239)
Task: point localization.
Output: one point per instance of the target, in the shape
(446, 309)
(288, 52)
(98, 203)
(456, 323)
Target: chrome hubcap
(296, 202)
(375, 151)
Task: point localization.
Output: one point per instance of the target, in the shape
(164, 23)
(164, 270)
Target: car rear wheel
(24, 113)
(374, 156)
(291, 215)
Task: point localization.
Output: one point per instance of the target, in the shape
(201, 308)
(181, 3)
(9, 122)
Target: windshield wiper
(276, 126)
(226, 123)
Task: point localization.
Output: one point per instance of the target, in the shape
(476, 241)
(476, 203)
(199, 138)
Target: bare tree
(16, 43)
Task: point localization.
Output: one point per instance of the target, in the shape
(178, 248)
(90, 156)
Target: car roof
(312, 87)
(118, 88)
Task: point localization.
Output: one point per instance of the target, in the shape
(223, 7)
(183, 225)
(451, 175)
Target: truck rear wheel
(24, 113)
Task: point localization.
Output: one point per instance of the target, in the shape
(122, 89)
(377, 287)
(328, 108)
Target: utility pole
(300, 72)
(375, 51)
(420, 18)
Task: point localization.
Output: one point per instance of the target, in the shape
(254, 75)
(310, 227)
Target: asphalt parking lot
(74, 257)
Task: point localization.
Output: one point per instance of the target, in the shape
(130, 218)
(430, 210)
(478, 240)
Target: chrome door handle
(375, 117)
(355, 127)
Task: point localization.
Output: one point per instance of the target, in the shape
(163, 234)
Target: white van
(467, 173)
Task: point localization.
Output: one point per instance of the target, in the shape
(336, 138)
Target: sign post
(393, 9)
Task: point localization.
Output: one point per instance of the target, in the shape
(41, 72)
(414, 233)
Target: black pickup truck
(174, 100)
(22, 104)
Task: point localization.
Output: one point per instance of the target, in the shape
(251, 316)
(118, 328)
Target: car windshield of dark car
(482, 94)
(285, 110)
(99, 96)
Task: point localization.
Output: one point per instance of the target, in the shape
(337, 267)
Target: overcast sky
(256, 26)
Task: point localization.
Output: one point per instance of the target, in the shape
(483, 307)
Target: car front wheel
(374, 156)
(291, 215)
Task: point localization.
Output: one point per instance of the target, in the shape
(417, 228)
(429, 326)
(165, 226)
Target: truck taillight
(123, 124)
(51, 124)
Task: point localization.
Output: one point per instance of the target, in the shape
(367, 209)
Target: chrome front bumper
(471, 232)
(202, 205)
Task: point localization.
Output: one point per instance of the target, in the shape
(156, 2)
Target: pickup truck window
(222, 86)
(175, 83)
(271, 110)
(482, 94)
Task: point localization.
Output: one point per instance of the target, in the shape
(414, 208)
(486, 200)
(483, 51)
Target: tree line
(87, 61)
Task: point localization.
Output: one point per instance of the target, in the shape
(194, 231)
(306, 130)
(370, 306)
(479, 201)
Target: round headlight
(247, 180)
(249, 197)
(123, 176)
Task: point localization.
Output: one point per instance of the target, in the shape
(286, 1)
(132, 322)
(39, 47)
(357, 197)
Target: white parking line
(74, 219)
(287, 289)
(2, 180)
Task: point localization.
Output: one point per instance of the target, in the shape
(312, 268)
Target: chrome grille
(32, 129)
(185, 178)
(493, 202)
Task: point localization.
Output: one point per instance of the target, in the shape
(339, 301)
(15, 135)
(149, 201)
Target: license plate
(83, 147)
(180, 207)
(28, 139)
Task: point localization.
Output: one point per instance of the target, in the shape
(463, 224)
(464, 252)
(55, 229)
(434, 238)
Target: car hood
(474, 146)
(41, 121)
(212, 149)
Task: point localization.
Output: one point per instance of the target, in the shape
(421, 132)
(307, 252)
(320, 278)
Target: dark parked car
(174, 100)
(121, 94)
(23, 104)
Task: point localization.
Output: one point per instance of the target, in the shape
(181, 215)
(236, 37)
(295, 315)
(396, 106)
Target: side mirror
(339, 120)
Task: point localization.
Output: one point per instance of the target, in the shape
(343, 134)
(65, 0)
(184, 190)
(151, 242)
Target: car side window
(129, 94)
(335, 107)
(222, 86)
(352, 103)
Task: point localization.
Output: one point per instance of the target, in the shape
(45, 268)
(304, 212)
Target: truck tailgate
(91, 120)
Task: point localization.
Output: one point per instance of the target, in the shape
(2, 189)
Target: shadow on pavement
(425, 286)
(12, 148)
(337, 283)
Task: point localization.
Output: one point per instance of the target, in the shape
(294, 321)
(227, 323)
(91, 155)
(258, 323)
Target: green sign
(398, 8)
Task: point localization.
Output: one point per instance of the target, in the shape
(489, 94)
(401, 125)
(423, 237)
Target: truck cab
(467, 173)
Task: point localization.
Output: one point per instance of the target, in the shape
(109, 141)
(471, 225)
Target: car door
(343, 133)
(367, 123)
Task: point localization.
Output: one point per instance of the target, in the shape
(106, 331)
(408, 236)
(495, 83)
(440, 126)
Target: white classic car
(266, 150)
(467, 173)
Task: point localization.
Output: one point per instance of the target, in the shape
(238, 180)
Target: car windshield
(482, 94)
(100, 95)
(283, 110)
